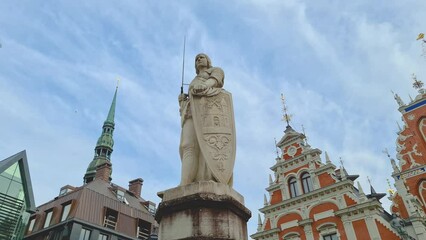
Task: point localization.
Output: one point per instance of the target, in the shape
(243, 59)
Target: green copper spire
(111, 113)
(104, 145)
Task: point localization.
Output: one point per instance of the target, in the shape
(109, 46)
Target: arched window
(292, 185)
(307, 182)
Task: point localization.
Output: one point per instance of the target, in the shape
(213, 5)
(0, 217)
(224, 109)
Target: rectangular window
(31, 225)
(120, 195)
(330, 237)
(293, 187)
(84, 234)
(48, 219)
(65, 211)
(103, 236)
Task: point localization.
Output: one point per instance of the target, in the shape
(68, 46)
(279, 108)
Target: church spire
(111, 113)
(104, 145)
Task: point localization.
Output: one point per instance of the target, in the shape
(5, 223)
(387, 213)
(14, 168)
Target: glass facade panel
(13, 215)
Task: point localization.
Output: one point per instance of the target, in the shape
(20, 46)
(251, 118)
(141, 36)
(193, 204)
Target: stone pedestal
(202, 211)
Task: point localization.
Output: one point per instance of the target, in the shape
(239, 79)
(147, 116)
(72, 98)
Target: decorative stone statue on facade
(207, 146)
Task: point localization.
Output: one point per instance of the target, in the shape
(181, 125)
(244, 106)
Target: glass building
(16, 196)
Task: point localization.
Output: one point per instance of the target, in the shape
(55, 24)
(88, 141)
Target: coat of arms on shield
(215, 128)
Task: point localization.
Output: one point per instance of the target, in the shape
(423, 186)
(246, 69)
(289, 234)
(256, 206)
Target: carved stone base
(203, 211)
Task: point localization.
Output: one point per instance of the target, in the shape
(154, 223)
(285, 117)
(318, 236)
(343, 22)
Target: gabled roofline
(21, 159)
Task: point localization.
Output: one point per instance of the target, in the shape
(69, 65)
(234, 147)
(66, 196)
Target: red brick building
(309, 198)
(409, 201)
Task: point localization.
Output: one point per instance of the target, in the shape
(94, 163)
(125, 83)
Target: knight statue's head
(202, 61)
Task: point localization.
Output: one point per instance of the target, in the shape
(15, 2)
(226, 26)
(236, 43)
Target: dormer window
(120, 195)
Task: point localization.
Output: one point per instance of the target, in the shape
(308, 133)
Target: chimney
(135, 186)
(103, 172)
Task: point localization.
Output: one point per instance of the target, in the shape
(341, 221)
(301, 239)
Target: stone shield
(215, 129)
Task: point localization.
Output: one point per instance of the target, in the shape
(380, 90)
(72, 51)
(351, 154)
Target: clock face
(291, 151)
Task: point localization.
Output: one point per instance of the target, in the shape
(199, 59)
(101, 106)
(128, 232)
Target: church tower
(104, 146)
(409, 171)
(311, 199)
(99, 209)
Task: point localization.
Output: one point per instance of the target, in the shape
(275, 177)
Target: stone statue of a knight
(207, 145)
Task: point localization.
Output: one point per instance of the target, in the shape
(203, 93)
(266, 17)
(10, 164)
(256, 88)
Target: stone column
(202, 210)
(372, 228)
(307, 228)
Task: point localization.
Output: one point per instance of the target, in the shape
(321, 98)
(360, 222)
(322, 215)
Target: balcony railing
(110, 223)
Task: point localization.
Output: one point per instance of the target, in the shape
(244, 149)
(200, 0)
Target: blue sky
(335, 61)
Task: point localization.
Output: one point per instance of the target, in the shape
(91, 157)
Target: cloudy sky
(335, 61)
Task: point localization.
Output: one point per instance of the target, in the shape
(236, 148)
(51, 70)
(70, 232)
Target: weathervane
(417, 83)
(286, 116)
(421, 37)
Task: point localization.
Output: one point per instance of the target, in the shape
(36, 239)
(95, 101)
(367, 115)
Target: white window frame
(327, 229)
(65, 211)
(48, 218)
(31, 225)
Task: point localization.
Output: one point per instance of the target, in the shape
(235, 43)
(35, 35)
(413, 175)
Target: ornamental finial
(421, 37)
(390, 190)
(276, 148)
(118, 82)
(286, 116)
(417, 83)
(369, 180)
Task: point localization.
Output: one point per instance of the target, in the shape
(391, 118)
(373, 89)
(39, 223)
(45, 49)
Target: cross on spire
(286, 116)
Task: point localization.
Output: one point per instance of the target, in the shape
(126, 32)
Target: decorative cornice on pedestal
(309, 196)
